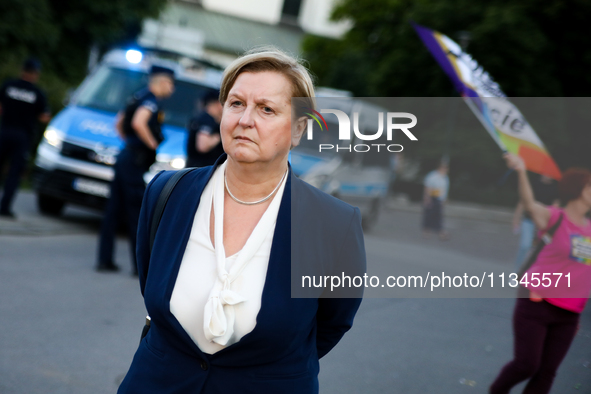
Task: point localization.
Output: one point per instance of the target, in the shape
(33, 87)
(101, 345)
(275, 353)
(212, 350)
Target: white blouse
(216, 299)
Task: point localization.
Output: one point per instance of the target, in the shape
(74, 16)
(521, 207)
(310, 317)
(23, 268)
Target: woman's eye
(268, 110)
(235, 103)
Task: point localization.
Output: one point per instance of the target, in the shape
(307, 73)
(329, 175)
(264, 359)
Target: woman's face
(256, 119)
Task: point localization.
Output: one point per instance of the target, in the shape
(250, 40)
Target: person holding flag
(546, 322)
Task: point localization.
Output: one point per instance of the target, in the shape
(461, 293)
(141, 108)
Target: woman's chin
(244, 155)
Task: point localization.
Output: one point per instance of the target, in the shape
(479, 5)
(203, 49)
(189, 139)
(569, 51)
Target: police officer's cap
(32, 65)
(159, 70)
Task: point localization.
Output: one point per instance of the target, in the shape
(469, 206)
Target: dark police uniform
(22, 103)
(127, 188)
(202, 123)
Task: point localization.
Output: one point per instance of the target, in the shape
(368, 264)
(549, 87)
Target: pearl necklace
(253, 202)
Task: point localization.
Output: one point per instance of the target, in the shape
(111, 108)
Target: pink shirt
(569, 254)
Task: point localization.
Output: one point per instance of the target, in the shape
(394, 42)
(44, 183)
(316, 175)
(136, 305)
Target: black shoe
(104, 267)
(7, 215)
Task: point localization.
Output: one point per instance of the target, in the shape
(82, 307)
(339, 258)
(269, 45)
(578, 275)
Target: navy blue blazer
(281, 354)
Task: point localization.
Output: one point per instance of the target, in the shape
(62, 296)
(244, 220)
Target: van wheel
(50, 205)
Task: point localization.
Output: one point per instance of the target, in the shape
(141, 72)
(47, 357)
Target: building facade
(221, 30)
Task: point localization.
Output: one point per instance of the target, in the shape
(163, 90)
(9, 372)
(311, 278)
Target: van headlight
(54, 137)
(178, 163)
(166, 162)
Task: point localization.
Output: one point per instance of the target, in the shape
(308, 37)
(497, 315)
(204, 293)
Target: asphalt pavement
(66, 329)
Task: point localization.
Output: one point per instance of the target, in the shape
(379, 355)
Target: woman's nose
(247, 119)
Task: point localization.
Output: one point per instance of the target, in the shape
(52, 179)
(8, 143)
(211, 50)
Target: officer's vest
(154, 124)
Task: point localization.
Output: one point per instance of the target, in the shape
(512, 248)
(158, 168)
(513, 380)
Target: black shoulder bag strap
(545, 239)
(157, 216)
(162, 200)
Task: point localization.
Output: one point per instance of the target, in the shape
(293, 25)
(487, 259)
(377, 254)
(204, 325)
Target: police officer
(204, 142)
(140, 126)
(22, 104)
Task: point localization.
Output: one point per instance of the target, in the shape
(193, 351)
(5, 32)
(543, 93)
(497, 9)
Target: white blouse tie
(219, 315)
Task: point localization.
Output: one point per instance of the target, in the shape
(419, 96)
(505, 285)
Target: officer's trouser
(14, 147)
(127, 192)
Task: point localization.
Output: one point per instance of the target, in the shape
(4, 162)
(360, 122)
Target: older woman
(217, 283)
(545, 320)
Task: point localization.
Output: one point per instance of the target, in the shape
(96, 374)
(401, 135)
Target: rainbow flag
(503, 121)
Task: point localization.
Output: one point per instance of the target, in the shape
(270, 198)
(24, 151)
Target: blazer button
(204, 365)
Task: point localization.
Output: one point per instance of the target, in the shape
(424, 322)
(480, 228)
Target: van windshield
(109, 88)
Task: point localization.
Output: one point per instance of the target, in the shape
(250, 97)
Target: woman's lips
(242, 138)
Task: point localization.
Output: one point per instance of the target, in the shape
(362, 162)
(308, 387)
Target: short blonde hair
(270, 59)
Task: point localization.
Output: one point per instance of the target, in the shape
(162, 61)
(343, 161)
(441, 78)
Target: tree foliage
(531, 48)
(61, 32)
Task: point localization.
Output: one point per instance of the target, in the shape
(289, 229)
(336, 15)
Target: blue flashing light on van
(133, 56)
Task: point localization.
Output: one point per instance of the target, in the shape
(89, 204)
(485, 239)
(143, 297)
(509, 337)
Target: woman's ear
(297, 130)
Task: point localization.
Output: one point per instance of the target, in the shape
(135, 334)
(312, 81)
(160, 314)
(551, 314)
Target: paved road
(66, 329)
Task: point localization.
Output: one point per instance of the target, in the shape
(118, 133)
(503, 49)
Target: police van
(75, 158)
